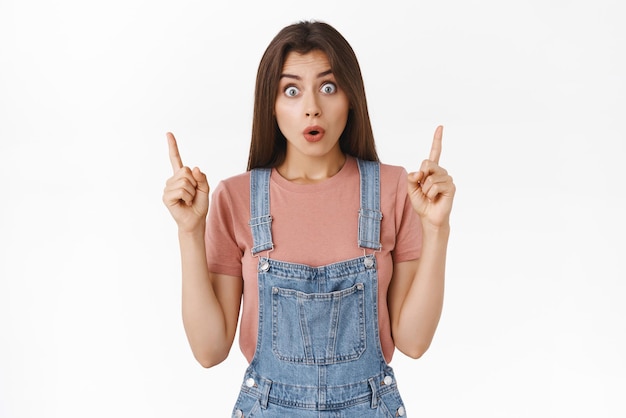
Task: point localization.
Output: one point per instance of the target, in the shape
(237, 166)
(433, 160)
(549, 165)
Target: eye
(292, 91)
(328, 88)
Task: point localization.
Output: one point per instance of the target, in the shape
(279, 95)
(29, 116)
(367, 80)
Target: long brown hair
(268, 145)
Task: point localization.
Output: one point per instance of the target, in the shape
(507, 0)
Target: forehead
(315, 60)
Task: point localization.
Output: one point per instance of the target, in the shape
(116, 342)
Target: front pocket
(318, 328)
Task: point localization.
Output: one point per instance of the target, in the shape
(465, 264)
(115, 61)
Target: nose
(312, 107)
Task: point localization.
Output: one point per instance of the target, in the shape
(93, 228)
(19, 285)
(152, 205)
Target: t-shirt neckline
(330, 182)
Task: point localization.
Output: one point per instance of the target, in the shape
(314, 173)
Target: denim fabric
(369, 214)
(260, 219)
(318, 348)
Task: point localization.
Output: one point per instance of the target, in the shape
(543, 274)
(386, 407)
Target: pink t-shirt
(313, 224)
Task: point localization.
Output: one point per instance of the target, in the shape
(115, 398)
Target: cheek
(340, 112)
(281, 112)
(284, 118)
(341, 106)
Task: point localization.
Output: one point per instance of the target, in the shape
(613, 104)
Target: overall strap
(260, 218)
(369, 213)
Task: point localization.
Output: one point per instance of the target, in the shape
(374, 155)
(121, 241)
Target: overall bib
(318, 352)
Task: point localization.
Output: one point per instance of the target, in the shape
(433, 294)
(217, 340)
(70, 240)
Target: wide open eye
(328, 88)
(292, 91)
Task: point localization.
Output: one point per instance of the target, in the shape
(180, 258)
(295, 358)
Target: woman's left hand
(431, 189)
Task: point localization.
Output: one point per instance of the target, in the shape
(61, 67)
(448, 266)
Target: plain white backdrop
(532, 95)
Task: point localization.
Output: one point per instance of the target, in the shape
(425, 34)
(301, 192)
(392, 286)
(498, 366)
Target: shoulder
(233, 185)
(387, 170)
(232, 192)
(393, 170)
(392, 176)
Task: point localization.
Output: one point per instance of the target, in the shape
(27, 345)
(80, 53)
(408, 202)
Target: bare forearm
(421, 309)
(203, 316)
(210, 301)
(416, 297)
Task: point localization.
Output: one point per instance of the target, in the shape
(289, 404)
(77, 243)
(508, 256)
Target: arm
(210, 302)
(416, 291)
(416, 295)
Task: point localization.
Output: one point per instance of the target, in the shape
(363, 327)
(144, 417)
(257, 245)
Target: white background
(532, 96)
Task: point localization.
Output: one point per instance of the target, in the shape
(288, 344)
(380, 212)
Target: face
(311, 109)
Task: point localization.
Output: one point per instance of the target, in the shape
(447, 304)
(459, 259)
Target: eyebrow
(297, 77)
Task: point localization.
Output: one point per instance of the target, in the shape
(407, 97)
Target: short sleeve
(223, 252)
(409, 228)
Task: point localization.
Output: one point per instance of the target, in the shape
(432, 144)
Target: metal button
(369, 262)
(239, 413)
(400, 412)
(265, 266)
(359, 286)
(275, 290)
(388, 380)
(250, 382)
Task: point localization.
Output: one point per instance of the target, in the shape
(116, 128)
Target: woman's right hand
(186, 193)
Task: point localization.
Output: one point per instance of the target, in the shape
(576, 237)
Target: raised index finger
(435, 150)
(177, 163)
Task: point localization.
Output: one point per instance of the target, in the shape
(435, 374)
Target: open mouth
(313, 133)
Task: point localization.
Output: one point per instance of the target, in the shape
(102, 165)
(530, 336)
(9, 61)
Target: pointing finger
(177, 163)
(435, 150)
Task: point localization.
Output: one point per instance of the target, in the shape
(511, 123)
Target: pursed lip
(313, 133)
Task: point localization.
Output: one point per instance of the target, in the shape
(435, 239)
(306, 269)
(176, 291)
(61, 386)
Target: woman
(339, 259)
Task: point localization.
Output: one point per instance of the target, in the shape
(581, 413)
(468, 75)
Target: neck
(309, 170)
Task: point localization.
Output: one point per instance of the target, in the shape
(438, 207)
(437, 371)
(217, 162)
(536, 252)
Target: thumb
(414, 180)
(200, 177)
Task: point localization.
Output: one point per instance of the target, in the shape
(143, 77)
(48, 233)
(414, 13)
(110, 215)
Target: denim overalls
(318, 350)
